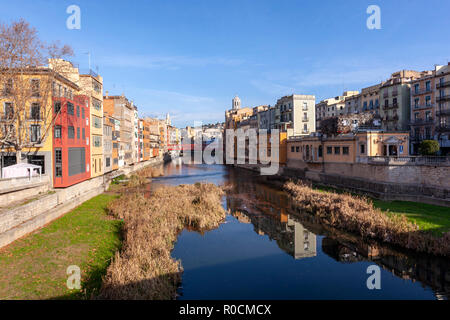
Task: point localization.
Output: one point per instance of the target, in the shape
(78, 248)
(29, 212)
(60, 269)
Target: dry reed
(357, 215)
(144, 268)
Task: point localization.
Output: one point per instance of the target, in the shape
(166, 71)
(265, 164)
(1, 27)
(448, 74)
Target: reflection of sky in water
(244, 260)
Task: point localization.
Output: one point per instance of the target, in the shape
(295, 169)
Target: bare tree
(26, 84)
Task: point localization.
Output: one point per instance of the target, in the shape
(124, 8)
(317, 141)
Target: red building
(71, 145)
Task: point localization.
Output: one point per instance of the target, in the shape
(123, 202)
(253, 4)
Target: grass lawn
(428, 217)
(432, 218)
(34, 267)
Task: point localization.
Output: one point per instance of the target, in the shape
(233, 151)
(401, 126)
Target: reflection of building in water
(304, 240)
(289, 234)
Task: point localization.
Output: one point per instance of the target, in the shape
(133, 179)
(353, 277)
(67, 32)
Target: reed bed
(141, 177)
(357, 215)
(144, 268)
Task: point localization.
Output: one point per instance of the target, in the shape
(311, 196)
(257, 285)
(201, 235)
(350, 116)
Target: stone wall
(424, 183)
(16, 189)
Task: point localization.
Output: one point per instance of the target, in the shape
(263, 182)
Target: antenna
(89, 59)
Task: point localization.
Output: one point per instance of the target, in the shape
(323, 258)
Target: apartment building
(236, 114)
(108, 128)
(55, 121)
(297, 114)
(442, 82)
(333, 107)
(352, 104)
(136, 140)
(71, 146)
(396, 100)
(422, 116)
(154, 137)
(370, 100)
(122, 110)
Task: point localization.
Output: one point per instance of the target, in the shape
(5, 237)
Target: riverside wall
(21, 220)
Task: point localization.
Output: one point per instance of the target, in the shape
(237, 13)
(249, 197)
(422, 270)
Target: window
(78, 133)
(35, 111)
(77, 161)
(57, 107)
(329, 150)
(71, 132)
(428, 86)
(345, 150)
(416, 88)
(292, 149)
(83, 133)
(394, 101)
(97, 141)
(297, 149)
(97, 122)
(70, 108)
(58, 162)
(35, 87)
(57, 132)
(9, 110)
(428, 100)
(337, 150)
(416, 102)
(97, 104)
(82, 113)
(7, 90)
(35, 135)
(78, 111)
(362, 149)
(108, 161)
(320, 152)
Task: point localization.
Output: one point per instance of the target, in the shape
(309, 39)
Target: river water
(264, 250)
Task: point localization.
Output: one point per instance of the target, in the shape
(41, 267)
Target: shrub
(429, 147)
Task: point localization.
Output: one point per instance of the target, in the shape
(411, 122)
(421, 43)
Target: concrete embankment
(21, 220)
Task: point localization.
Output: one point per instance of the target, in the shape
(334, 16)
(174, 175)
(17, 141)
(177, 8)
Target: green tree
(428, 147)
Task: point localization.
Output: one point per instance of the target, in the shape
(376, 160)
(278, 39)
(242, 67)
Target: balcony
(443, 128)
(443, 98)
(305, 119)
(420, 91)
(305, 131)
(443, 112)
(6, 117)
(418, 122)
(385, 95)
(35, 116)
(423, 106)
(394, 93)
(443, 84)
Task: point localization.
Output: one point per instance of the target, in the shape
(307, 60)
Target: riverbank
(34, 267)
(144, 268)
(358, 215)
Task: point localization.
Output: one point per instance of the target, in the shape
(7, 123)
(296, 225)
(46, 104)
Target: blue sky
(190, 57)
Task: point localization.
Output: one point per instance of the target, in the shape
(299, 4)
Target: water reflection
(231, 263)
(269, 210)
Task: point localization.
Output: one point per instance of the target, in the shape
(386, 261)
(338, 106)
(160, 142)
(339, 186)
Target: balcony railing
(423, 106)
(443, 128)
(421, 91)
(405, 160)
(35, 116)
(417, 122)
(443, 112)
(6, 117)
(305, 119)
(443, 84)
(443, 98)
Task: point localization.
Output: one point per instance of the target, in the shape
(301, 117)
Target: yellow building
(92, 86)
(347, 148)
(29, 116)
